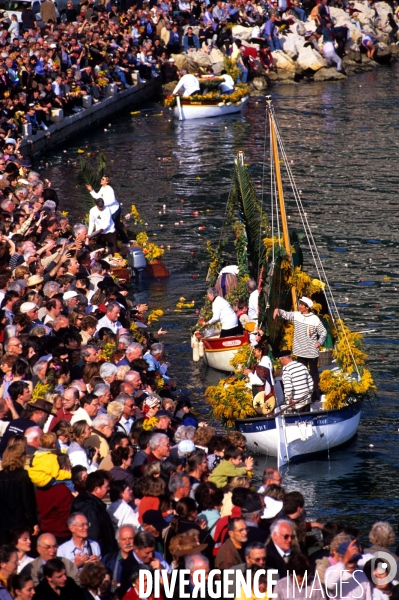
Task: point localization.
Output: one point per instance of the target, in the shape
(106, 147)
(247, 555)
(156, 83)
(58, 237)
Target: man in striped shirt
(297, 382)
(309, 335)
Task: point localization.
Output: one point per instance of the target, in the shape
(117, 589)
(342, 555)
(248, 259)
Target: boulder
(260, 83)
(341, 18)
(217, 58)
(309, 58)
(242, 33)
(353, 51)
(383, 54)
(169, 87)
(284, 75)
(180, 61)
(328, 74)
(289, 45)
(283, 62)
(198, 61)
(300, 28)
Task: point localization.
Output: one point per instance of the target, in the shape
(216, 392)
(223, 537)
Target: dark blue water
(343, 141)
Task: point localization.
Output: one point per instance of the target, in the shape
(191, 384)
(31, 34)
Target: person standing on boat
(297, 382)
(309, 335)
(108, 195)
(222, 312)
(261, 376)
(253, 300)
(189, 83)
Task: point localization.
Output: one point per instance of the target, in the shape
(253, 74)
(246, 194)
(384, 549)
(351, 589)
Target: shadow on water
(342, 141)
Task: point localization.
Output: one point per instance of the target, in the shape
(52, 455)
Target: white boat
(218, 352)
(295, 436)
(185, 111)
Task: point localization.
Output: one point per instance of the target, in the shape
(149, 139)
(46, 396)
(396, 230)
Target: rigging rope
(311, 242)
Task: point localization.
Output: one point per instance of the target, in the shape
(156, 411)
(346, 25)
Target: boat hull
(300, 434)
(218, 352)
(206, 111)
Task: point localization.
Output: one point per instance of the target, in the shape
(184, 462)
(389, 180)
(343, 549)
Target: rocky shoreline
(297, 62)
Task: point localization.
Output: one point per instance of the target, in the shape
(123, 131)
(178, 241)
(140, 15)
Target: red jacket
(54, 508)
(61, 415)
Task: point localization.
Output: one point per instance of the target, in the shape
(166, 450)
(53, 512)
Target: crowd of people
(54, 62)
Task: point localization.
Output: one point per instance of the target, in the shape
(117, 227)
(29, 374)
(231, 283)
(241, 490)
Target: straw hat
(185, 544)
(34, 280)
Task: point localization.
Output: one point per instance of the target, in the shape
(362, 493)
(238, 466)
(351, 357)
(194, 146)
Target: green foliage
(244, 196)
(231, 69)
(88, 174)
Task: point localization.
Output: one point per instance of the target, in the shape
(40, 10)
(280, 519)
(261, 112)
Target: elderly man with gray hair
(223, 313)
(79, 550)
(132, 351)
(160, 449)
(279, 548)
(103, 393)
(153, 357)
(110, 320)
(108, 372)
(196, 562)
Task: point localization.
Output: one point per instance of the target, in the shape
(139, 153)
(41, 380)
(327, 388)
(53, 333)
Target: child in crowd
(229, 467)
(45, 469)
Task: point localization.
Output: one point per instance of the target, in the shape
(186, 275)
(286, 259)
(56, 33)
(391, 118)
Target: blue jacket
(195, 40)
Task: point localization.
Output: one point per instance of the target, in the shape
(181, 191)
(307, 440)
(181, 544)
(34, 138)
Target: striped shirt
(308, 330)
(298, 383)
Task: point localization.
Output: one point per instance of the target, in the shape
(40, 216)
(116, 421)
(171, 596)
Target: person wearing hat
(70, 299)
(35, 281)
(169, 71)
(309, 335)
(154, 523)
(31, 309)
(345, 572)
(251, 511)
(297, 382)
(36, 413)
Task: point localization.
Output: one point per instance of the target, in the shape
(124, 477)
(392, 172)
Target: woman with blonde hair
(227, 505)
(78, 454)
(382, 537)
(17, 494)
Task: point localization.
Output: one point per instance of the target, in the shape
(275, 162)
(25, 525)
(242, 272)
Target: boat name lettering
(260, 427)
(232, 343)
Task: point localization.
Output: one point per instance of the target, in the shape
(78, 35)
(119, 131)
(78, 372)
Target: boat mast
(280, 192)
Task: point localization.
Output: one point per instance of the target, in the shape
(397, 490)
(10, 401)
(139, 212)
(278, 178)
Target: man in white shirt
(79, 550)
(111, 317)
(90, 405)
(126, 421)
(189, 83)
(223, 313)
(253, 300)
(100, 218)
(227, 87)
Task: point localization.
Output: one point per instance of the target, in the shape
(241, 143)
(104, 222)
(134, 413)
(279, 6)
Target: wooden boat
(207, 109)
(218, 352)
(286, 433)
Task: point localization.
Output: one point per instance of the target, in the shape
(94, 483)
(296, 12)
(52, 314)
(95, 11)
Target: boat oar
(288, 407)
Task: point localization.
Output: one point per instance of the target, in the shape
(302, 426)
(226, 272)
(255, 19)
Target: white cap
(69, 295)
(186, 446)
(27, 306)
(272, 507)
(306, 301)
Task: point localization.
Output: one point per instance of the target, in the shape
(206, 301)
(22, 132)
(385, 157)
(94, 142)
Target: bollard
(57, 115)
(87, 101)
(27, 129)
(112, 90)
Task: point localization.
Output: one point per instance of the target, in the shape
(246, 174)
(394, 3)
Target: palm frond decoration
(88, 174)
(244, 196)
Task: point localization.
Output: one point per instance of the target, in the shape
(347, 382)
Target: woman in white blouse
(22, 542)
(77, 452)
(119, 510)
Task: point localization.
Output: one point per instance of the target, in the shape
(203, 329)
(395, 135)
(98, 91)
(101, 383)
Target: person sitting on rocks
(369, 43)
(190, 41)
